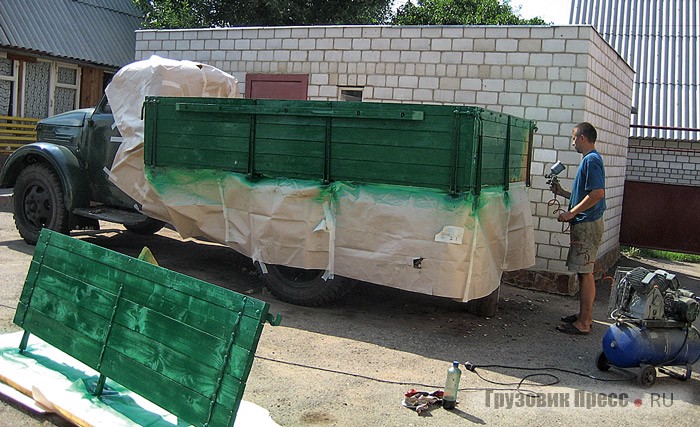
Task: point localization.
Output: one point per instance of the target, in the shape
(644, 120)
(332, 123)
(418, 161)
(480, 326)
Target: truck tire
(148, 226)
(38, 203)
(304, 287)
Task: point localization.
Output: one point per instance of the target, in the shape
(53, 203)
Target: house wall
(557, 76)
(664, 162)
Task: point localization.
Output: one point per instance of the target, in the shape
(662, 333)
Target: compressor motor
(652, 295)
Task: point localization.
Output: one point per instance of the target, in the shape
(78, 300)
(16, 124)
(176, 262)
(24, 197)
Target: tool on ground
(653, 325)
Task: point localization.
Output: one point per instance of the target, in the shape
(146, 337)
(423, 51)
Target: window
(65, 89)
(48, 87)
(351, 93)
(8, 86)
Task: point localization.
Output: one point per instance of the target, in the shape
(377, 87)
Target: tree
(222, 13)
(169, 14)
(460, 12)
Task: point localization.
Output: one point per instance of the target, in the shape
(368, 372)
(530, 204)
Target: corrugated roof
(660, 40)
(95, 31)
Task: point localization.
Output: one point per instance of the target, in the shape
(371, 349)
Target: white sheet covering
(376, 233)
(56, 381)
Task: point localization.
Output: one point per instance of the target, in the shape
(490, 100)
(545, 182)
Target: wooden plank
(164, 329)
(200, 321)
(196, 370)
(139, 271)
(74, 290)
(212, 319)
(20, 119)
(409, 175)
(76, 317)
(188, 405)
(63, 338)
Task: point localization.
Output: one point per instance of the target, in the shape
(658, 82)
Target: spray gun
(554, 171)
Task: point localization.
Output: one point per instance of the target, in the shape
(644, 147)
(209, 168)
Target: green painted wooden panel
(185, 344)
(453, 148)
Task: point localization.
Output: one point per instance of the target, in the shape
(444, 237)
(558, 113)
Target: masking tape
(330, 226)
(143, 192)
(110, 176)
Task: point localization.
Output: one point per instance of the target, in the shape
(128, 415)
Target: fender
(61, 159)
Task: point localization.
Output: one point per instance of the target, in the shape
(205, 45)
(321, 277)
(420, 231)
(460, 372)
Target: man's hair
(586, 129)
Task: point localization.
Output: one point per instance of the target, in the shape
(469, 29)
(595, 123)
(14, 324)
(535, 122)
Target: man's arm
(589, 201)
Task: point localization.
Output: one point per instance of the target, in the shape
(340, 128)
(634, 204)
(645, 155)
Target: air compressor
(653, 325)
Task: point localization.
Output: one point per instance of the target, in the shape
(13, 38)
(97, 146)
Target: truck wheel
(147, 226)
(304, 287)
(38, 203)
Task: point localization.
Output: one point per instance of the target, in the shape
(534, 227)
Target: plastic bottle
(449, 399)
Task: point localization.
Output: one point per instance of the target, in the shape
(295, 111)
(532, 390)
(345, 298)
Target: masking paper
(369, 232)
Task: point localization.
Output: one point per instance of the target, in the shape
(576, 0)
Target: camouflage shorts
(583, 248)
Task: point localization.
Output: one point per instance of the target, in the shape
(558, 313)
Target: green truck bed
(452, 148)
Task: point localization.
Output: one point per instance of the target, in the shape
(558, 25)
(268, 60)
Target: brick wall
(557, 76)
(664, 162)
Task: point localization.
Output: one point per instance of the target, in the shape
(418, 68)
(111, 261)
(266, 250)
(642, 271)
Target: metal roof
(660, 40)
(100, 32)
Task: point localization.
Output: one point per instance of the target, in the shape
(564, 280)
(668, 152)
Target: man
(586, 208)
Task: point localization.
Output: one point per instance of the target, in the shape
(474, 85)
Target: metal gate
(661, 216)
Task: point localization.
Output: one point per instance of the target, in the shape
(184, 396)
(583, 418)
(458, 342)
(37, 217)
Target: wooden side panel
(184, 344)
(288, 146)
(433, 146)
(411, 152)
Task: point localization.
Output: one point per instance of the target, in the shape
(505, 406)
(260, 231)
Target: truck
(59, 181)
(427, 198)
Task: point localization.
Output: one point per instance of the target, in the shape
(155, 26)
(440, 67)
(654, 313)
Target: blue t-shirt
(590, 176)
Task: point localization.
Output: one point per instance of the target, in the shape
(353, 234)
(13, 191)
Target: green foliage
(223, 13)
(460, 12)
(633, 252)
(169, 14)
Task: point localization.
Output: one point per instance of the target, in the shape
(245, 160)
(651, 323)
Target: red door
(277, 86)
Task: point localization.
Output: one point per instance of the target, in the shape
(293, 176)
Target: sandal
(570, 329)
(569, 319)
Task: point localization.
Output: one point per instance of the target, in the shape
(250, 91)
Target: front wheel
(38, 203)
(304, 287)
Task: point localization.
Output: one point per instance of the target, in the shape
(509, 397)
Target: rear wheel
(304, 287)
(39, 203)
(147, 226)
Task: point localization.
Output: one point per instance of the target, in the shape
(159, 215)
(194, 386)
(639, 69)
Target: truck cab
(62, 181)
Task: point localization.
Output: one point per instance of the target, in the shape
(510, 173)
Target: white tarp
(49, 380)
(420, 240)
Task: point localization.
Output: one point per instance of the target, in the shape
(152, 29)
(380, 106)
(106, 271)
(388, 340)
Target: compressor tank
(627, 345)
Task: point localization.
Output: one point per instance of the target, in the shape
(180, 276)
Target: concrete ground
(350, 363)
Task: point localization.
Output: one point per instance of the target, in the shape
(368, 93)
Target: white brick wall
(558, 76)
(663, 162)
